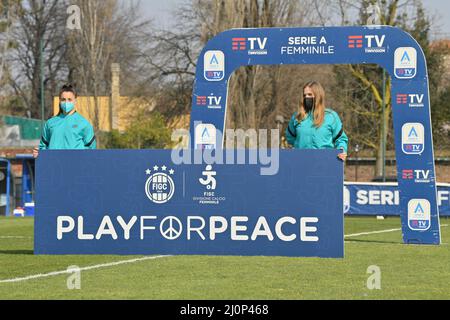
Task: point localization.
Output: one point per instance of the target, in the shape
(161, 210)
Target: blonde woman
(314, 126)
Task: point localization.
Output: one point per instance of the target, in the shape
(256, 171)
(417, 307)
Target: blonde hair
(319, 99)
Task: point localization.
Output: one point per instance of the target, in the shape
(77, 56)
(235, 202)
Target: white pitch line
(98, 266)
(347, 235)
(380, 231)
(372, 232)
(15, 237)
(112, 264)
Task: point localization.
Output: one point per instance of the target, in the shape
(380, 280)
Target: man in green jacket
(69, 130)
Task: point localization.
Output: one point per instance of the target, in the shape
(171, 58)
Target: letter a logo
(214, 65)
(405, 62)
(405, 57)
(214, 60)
(419, 214)
(419, 209)
(413, 138)
(413, 133)
(205, 133)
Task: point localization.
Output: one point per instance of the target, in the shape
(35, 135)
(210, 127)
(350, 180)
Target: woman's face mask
(67, 102)
(67, 107)
(309, 104)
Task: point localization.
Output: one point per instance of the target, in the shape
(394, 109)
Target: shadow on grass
(17, 252)
(373, 241)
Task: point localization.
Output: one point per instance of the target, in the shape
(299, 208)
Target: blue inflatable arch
(391, 48)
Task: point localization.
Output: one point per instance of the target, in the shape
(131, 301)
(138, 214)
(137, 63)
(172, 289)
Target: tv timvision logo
(370, 43)
(211, 101)
(412, 100)
(405, 63)
(413, 138)
(419, 214)
(418, 176)
(253, 46)
(214, 65)
(205, 136)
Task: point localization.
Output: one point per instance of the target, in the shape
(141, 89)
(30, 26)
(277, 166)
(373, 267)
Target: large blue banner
(391, 48)
(141, 202)
(383, 199)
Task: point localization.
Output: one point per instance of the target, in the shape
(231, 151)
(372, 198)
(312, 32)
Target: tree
(254, 94)
(147, 132)
(254, 91)
(365, 85)
(37, 20)
(441, 120)
(109, 33)
(7, 8)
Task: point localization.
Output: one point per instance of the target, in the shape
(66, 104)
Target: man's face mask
(67, 107)
(309, 104)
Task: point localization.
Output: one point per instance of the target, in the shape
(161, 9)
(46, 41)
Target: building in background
(17, 132)
(115, 112)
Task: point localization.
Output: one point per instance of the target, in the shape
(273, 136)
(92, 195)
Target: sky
(160, 12)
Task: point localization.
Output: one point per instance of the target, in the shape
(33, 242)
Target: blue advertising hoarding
(383, 199)
(129, 202)
(389, 47)
(141, 202)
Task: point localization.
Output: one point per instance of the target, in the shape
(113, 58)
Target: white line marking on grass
(113, 264)
(379, 231)
(98, 266)
(371, 232)
(15, 237)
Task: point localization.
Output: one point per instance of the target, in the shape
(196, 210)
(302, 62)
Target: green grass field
(407, 272)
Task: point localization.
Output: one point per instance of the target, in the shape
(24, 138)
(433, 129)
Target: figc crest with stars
(160, 186)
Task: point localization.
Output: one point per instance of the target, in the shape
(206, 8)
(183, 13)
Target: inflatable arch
(391, 48)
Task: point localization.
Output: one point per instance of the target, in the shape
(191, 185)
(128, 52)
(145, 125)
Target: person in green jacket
(69, 130)
(314, 126)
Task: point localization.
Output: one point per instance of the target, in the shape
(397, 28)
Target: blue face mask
(67, 107)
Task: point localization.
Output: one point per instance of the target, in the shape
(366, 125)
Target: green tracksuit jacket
(305, 135)
(71, 132)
